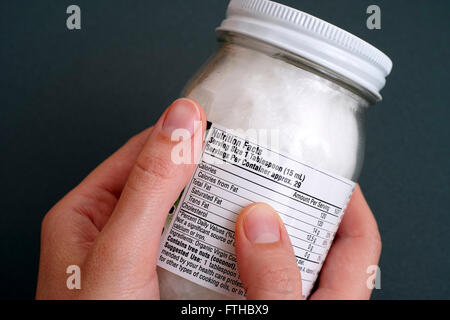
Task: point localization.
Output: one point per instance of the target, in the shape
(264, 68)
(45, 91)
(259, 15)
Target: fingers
(357, 246)
(129, 241)
(72, 225)
(267, 265)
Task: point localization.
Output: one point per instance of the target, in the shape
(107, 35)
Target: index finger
(356, 247)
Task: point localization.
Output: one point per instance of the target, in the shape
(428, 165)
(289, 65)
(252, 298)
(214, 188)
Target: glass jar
(280, 70)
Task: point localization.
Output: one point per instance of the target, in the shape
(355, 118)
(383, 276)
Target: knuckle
(377, 243)
(156, 166)
(47, 222)
(149, 170)
(50, 226)
(376, 238)
(279, 279)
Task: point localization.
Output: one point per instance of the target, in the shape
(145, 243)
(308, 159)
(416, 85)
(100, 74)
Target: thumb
(266, 261)
(124, 254)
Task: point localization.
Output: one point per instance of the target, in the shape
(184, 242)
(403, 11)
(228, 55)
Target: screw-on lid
(311, 38)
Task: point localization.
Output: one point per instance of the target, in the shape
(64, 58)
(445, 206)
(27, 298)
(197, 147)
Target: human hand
(110, 226)
(268, 267)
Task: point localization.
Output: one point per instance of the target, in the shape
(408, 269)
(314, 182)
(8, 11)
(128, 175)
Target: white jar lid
(311, 38)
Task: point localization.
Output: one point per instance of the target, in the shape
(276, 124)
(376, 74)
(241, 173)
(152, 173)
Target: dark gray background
(70, 98)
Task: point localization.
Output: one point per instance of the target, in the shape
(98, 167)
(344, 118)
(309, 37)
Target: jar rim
(311, 38)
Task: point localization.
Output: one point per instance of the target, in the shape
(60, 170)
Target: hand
(268, 267)
(110, 226)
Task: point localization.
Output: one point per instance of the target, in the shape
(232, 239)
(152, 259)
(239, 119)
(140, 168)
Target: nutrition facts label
(234, 172)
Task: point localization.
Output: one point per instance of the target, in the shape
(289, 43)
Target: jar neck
(300, 62)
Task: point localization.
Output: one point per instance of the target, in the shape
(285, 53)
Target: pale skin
(110, 226)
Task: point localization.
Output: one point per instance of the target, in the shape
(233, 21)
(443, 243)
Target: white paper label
(198, 244)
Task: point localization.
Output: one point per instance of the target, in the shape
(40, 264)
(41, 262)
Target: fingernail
(182, 114)
(261, 224)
